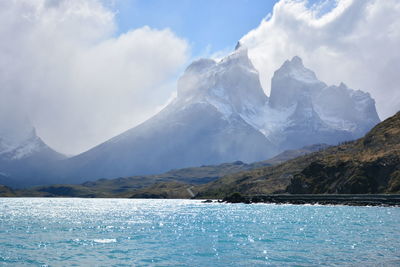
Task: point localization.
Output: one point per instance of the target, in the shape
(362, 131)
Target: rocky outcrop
(369, 165)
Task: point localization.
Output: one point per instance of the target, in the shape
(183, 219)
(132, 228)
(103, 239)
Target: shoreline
(383, 200)
(319, 199)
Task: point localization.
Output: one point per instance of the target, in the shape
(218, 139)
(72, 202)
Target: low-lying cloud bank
(356, 42)
(79, 84)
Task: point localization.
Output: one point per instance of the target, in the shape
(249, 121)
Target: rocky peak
(295, 62)
(232, 84)
(239, 57)
(238, 45)
(294, 69)
(22, 148)
(200, 65)
(290, 82)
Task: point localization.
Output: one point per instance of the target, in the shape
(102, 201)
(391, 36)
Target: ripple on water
(105, 240)
(173, 232)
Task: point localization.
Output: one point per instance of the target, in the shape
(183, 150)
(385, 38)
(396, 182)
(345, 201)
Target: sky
(83, 71)
(208, 25)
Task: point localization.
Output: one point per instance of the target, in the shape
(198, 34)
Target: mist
(64, 69)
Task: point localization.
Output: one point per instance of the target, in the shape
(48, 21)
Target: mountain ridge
(221, 114)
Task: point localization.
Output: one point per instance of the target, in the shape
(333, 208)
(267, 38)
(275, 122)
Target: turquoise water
(122, 232)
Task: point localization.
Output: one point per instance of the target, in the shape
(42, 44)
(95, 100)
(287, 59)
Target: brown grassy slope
(368, 165)
(264, 180)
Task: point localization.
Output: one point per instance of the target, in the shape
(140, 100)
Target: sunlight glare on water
(126, 232)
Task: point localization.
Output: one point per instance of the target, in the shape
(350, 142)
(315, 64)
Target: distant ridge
(129, 186)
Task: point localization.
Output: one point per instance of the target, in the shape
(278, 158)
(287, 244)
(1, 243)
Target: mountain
(302, 110)
(221, 114)
(25, 159)
(203, 125)
(368, 165)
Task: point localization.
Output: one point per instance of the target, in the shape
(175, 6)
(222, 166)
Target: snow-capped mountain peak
(10, 143)
(231, 85)
(24, 158)
(291, 81)
(22, 148)
(294, 69)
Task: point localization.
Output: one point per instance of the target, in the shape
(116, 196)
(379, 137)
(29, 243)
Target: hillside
(368, 165)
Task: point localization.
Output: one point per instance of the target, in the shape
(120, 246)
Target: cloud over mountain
(63, 66)
(355, 42)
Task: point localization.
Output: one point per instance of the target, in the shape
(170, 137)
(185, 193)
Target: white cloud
(61, 63)
(356, 42)
(63, 66)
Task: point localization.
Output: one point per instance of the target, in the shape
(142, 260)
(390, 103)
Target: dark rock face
(236, 198)
(379, 176)
(323, 199)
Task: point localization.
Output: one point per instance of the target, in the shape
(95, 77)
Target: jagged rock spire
(238, 45)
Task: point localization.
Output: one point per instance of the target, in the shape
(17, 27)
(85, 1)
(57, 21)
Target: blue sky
(208, 25)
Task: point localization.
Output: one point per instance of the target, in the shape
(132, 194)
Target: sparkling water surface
(138, 232)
